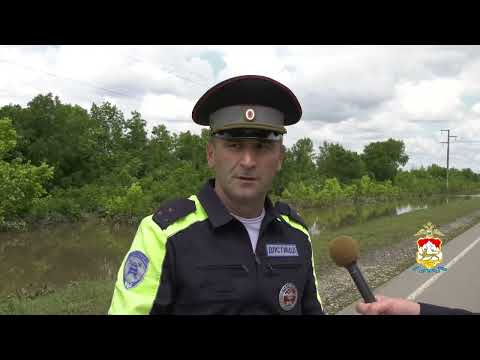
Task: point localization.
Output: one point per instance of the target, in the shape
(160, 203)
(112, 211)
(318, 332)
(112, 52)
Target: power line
(68, 78)
(133, 99)
(101, 88)
(171, 72)
(136, 58)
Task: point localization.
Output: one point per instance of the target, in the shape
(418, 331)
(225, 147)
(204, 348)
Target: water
(408, 208)
(91, 250)
(55, 255)
(337, 217)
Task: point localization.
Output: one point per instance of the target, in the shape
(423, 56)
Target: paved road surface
(458, 287)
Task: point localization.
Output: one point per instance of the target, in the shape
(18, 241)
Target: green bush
(21, 184)
(131, 206)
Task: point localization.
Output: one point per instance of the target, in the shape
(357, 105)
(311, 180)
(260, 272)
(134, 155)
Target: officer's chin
(248, 194)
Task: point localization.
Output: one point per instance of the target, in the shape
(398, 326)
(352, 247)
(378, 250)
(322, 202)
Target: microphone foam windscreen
(344, 250)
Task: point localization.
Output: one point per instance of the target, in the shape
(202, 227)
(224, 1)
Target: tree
(384, 158)
(136, 135)
(469, 175)
(303, 157)
(61, 135)
(8, 137)
(191, 147)
(20, 184)
(159, 154)
(298, 166)
(13, 112)
(112, 123)
(334, 161)
(437, 171)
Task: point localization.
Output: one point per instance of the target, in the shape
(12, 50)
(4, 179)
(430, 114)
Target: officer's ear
(211, 152)
(283, 149)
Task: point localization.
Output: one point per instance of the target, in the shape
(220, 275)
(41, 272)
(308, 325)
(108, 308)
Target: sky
(352, 95)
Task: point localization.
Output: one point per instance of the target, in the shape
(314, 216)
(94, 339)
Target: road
(457, 287)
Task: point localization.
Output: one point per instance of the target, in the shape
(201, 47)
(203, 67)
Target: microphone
(344, 252)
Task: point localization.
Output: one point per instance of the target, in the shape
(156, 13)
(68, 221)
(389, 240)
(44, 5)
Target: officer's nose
(248, 158)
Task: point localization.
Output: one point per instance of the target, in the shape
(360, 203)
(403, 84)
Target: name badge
(282, 250)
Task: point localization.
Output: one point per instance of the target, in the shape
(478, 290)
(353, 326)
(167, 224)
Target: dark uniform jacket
(193, 257)
(430, 309)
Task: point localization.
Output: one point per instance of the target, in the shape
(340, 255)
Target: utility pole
(448, 150)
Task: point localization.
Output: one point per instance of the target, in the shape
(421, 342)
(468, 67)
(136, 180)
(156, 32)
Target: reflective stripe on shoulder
(190, 219)
(297, 226)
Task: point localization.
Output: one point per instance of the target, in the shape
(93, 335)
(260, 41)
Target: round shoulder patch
(288, 296)
(135, 269)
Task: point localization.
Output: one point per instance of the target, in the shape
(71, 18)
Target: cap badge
(250, 114)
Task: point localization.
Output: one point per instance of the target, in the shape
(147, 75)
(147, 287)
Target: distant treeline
(61, 162)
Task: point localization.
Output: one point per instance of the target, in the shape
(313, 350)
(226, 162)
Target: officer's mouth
(246, 178)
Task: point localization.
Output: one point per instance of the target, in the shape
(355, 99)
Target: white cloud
(350, 94)
(476, 108)
(434, 99)
(163, 109)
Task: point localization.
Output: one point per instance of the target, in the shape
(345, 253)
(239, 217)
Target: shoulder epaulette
(285, 209)
(173, 210)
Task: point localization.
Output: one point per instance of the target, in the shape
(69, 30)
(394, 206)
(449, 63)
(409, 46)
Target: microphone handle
(360, 282)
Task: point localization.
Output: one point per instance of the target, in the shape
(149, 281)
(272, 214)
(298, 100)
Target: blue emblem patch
(135, 269)
(282, 250)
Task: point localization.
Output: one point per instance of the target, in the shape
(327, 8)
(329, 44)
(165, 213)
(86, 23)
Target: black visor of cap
(237, 134)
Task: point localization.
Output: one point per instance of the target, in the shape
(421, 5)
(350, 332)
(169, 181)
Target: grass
(78, 298)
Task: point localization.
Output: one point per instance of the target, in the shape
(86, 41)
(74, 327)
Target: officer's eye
(263, 146)
(233, 145)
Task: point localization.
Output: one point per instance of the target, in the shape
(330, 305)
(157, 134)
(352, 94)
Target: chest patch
(282, 250)
(288, 296)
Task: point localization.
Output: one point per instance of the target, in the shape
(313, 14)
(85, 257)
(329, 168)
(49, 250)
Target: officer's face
(244, 169)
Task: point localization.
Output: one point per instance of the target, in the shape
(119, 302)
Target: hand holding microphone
(344, 252)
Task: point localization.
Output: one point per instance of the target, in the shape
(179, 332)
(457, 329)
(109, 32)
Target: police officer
(227, 249)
